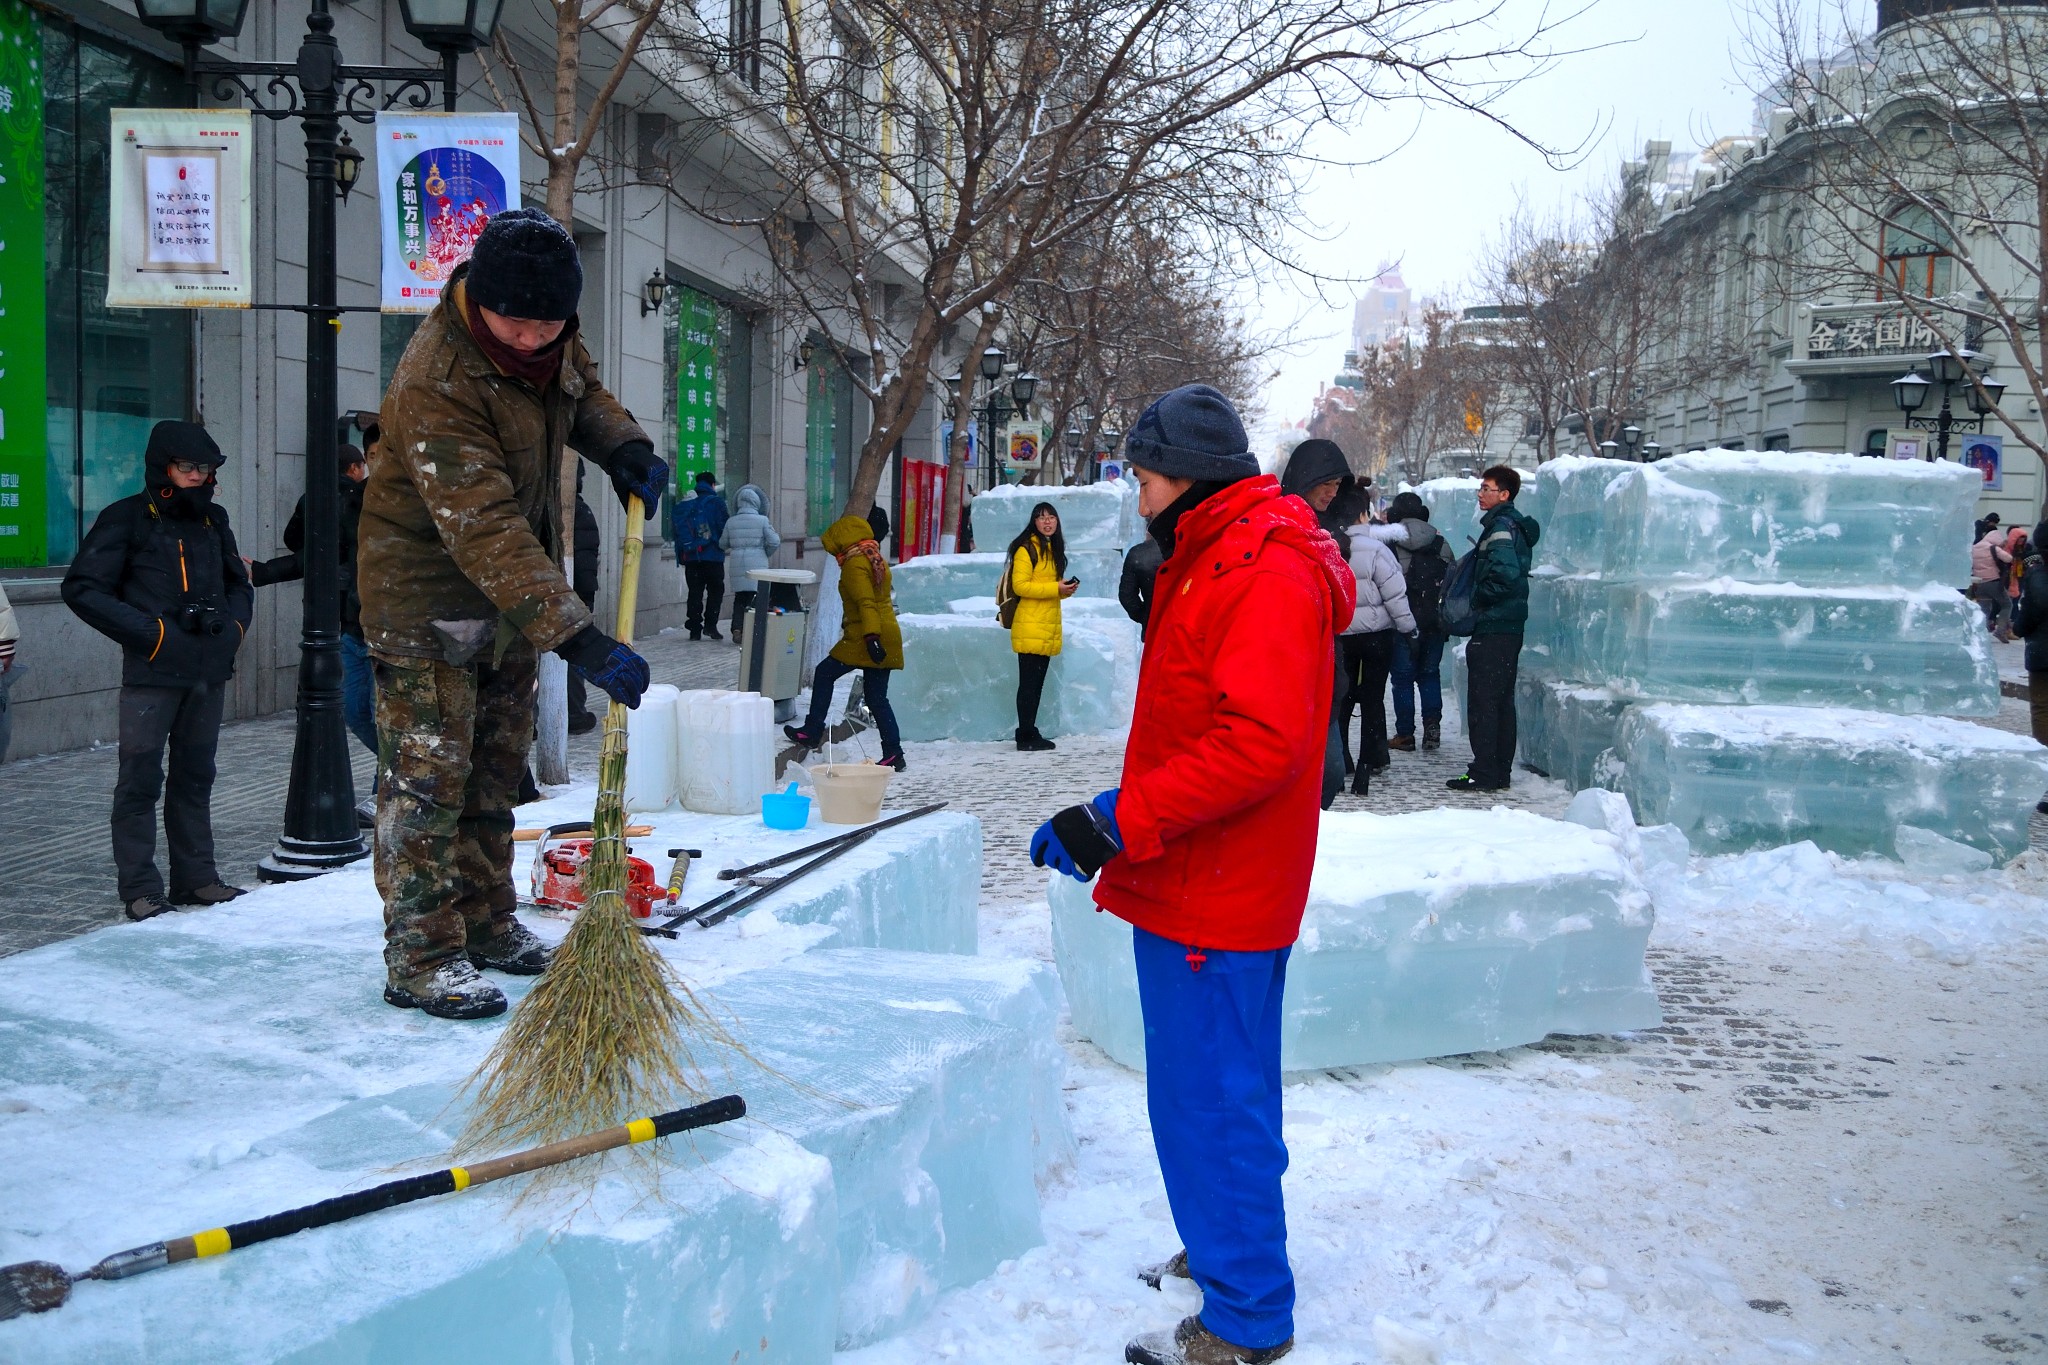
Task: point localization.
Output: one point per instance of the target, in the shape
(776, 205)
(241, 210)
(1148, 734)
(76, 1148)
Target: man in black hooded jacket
(159, 575)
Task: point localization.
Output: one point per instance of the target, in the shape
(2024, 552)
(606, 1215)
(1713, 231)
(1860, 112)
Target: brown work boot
(146, 907)
(1193, 1344)
(1174, 1267)
(1405, 743)
(452, 990)
(216, 894)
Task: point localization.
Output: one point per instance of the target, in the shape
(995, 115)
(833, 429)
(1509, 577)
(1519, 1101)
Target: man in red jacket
(1207, 846)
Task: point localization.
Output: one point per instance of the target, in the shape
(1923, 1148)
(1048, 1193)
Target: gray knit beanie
(1192, 433)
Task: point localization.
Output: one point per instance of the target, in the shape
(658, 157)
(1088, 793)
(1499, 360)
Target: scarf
(534, 367)
(877, 566)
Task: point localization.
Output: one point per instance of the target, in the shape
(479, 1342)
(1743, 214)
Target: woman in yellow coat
(1039, 582)
(870, 641)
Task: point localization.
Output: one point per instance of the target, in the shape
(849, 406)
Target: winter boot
(452, 990)
(1193, 1344)
(1174, 1267)
(1031, 742)
(514, 950)
(895, 760)
(808, 739)
(216, 894)
(711, 633)
(1432, 734)
(145, 907)
(1405, 743)
(1465, 782)
(582, 722)
(696, 634)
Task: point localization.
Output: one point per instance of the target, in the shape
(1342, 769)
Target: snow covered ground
(1833, 1150)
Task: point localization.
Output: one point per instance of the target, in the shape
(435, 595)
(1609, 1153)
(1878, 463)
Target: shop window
(1876, 441)
(107, 375)
(1778, 440)
(1913, 256)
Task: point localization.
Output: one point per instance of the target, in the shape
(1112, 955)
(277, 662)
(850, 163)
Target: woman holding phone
(1038, 581)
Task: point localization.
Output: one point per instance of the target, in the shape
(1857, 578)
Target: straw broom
(607, 1029)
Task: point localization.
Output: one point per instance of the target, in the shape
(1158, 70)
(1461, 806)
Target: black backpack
(1424, 573)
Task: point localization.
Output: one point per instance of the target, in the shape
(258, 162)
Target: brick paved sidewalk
(56, 871)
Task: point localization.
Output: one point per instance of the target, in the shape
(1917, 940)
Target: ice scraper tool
(38, 1286)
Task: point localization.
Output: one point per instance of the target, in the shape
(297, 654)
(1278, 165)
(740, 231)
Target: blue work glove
(1080, 839)
(638, 473)
(609, 665)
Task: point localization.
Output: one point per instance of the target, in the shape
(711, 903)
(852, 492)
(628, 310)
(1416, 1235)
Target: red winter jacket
(1223, 775)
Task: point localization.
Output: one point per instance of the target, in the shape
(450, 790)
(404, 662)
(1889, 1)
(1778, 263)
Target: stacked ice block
(1818, 588)
(1427, 934)
(1453, 505)
(902, 1107)
(959, 678)
(1099, 522)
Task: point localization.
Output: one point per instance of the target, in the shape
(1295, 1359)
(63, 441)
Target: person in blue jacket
(698, 522)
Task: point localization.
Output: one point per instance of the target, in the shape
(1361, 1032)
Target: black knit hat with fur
(526, 266)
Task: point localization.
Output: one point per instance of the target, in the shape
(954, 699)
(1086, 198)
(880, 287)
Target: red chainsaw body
(558, 877)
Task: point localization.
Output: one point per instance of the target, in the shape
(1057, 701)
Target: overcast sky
(1673, 72)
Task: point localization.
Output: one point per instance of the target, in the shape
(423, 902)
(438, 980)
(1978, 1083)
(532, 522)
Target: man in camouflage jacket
(459, 563)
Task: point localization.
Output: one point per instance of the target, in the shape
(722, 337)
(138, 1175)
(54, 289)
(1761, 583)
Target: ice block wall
(930, 583)
(1735, 778)
(1453, 509)
(959, 678)
(1092, 515)
(1426, 935)
(1753, 583)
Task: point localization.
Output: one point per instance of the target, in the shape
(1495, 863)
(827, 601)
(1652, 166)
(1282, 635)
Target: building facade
(713, 373)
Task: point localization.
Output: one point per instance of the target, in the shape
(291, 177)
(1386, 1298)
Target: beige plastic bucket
(850, 793)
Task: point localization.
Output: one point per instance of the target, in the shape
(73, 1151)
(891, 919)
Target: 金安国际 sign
(440, 177)
(178, 209)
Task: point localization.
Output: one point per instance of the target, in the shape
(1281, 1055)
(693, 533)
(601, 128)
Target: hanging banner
(24, 434)
(697, 381)
(178, 209)
(440, 177)
(1986, 455)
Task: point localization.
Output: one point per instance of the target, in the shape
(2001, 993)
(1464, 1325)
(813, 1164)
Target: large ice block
(1741, 777)
(1426, 935)
(1563, 728)
(921, 584)
(1092, 515)
(959, 678)
(1777, 517)
(1569, 498)
(1453, 505)
(1919, 650)
(901, 1107)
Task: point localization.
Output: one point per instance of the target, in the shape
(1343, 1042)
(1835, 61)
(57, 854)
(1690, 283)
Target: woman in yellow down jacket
(870, 641)
(1038, 579)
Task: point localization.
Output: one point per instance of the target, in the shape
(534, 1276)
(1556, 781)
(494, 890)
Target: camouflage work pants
(452, 747)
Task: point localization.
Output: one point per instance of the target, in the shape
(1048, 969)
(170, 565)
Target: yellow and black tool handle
(217, 1241)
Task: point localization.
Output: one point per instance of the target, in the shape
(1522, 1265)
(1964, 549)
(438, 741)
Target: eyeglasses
(190, 467)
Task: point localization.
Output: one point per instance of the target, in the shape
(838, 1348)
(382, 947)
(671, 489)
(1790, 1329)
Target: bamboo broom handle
(629, 572)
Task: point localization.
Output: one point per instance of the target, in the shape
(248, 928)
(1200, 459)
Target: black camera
(202, 618)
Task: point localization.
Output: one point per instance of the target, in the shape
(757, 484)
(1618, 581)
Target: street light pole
(320, 831)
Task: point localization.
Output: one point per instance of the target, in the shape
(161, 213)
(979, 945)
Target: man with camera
(159, 575)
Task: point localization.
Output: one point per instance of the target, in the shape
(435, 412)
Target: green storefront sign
(698, 377)
(24, 443)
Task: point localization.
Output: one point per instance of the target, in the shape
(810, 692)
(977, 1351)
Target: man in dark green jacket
(1500, 596)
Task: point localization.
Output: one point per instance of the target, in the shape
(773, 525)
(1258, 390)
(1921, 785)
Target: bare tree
(928, 154)
(1910, 168)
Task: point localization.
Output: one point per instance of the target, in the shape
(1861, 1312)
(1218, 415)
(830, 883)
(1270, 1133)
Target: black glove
(638, 473)
(1080, 839)
(875, 650)
(607, 664)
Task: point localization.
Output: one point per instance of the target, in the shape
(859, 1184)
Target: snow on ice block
(1091, 514)
(914, 887)
(1719, 641)
(900, 1105)
(1742, 777)
(1426, 935)
(1453, 505)
(1568, 498)
(1779, 517)
(931, 583)
(959, 678)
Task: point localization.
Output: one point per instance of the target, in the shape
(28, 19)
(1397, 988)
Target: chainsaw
(556, 881)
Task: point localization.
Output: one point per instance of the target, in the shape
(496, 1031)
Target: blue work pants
(1418, 670)
(1212, 1088)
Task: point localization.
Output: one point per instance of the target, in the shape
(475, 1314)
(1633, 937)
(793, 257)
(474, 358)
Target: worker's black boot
(515, 950)
(452, 990)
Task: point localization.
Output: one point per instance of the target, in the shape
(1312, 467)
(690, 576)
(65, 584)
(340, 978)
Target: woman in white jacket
(750, 542)
(1381, 615)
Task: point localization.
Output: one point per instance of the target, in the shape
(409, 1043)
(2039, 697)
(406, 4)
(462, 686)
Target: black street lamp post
(1951, 370)
(320, 831)
(996, 411)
